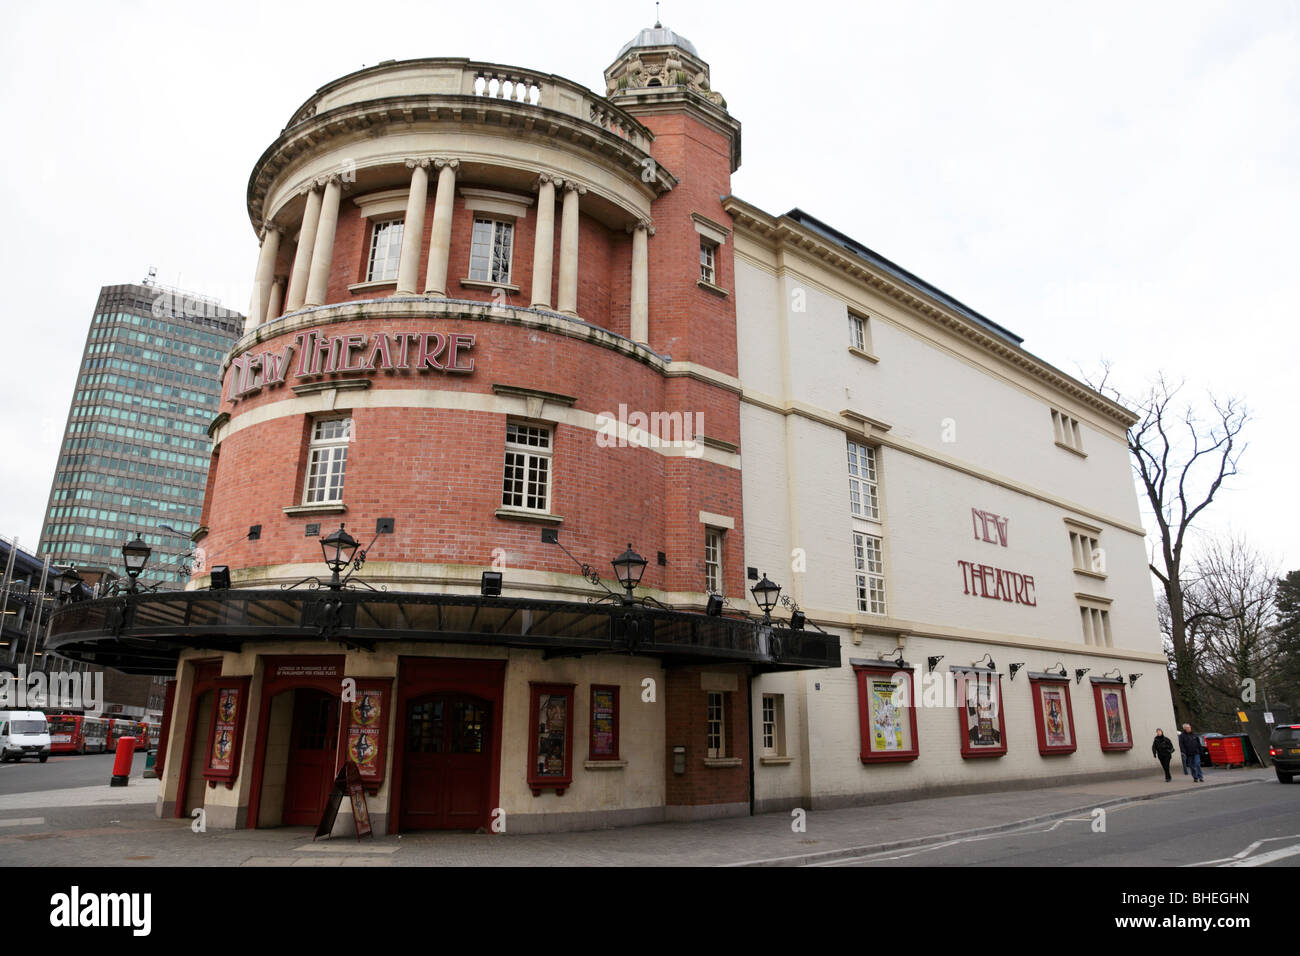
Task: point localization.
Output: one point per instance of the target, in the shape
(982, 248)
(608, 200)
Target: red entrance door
(446, 770)
(312, 746)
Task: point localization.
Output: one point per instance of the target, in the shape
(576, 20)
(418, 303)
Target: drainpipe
(749, 710)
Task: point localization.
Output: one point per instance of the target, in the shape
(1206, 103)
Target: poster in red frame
(980, 712)
(1113, 728)
(1053, 714)
(550, 738)
(229, 705)
(886, 717)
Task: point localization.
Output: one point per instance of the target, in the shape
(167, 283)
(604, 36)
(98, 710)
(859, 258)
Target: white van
(24, 733)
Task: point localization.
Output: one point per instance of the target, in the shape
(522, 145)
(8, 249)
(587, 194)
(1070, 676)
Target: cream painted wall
(795, 475)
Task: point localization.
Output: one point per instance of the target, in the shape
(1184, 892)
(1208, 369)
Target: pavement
(116, 826)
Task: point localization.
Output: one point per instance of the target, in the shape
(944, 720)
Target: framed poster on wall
(980, 712)
(229, 704)
(550, 738)
(603, 742)
(886, 717)
(1053, 713)
(1112, 713)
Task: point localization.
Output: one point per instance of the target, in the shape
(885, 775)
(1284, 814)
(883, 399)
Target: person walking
(1163, 748)
(1190, 746)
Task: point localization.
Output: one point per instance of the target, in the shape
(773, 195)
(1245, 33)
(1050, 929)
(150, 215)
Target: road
(60, 771)
(1256, 823)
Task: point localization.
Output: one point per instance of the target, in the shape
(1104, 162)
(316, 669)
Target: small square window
(490, 250)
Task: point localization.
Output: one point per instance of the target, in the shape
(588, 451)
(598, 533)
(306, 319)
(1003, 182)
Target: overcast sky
(1109, 180)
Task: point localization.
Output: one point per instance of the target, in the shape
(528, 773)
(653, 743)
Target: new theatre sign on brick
(320, 353)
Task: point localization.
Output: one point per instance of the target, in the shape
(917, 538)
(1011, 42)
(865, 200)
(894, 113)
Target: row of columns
(309, 277)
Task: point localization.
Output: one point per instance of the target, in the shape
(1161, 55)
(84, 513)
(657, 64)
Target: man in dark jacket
(1163, 748)
(1190, 745)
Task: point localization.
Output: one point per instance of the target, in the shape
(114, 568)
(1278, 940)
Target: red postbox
(122, 762)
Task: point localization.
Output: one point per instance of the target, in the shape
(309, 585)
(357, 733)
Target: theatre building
(530, 418)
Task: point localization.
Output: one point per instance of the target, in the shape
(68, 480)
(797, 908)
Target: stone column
(435, 281)
(408, 266)
(277, 299)
(302, 257)
(568, 293)
(544, 243)
(262, 278)
(322, 252)
(640, 311)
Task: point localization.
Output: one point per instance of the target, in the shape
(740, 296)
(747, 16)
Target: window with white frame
(490, 250)
(857, 332)
(527, 482)
(715, 729)
(708, 261)
(327, 461)
(713, 560)
(773, 725)
(869, 567)
(864, 492)
(385, 251)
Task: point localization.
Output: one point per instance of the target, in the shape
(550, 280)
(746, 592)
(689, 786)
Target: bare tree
(1231, 594)
(1181, 461)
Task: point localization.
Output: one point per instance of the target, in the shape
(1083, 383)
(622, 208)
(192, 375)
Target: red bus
(77, 733)
(145, 733)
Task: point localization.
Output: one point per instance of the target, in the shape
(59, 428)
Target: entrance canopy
(145, 633)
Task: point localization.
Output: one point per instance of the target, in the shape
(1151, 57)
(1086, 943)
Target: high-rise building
(135, 448)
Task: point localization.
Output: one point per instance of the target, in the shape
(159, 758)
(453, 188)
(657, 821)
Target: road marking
(1269, 857)
(1239, 857)
(23, 822)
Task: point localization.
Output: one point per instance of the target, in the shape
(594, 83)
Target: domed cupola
(656, 58)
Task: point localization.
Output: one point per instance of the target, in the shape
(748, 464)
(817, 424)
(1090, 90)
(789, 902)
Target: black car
(1284, 751)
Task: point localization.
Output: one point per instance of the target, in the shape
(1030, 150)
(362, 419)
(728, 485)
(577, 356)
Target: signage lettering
(322, 354)
(998, 584)
(981, 520)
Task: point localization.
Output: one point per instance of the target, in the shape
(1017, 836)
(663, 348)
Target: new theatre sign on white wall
(987, 581)
(318, 353)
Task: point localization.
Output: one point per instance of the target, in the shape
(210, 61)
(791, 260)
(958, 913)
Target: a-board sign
(346, 784)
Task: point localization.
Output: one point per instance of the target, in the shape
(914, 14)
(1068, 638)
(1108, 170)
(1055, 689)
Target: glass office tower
(135, 448)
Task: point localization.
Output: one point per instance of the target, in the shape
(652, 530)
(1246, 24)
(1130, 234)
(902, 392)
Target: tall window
(385, 250)
(869, 566)
(327, 461)
(715, 730)
(708, 261)
(527, 481)
(773, 725)
(713, 560)
(857, 332)
(1066, 430)
(864, 498)
(490, 248)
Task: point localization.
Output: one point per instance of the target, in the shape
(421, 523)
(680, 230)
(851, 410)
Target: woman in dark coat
(1163, 749)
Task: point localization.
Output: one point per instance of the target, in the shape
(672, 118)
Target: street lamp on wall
(766, 594)
(628, 567)
(338, 548)
(135, 555)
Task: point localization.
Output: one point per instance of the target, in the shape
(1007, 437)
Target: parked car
(1284, 751)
